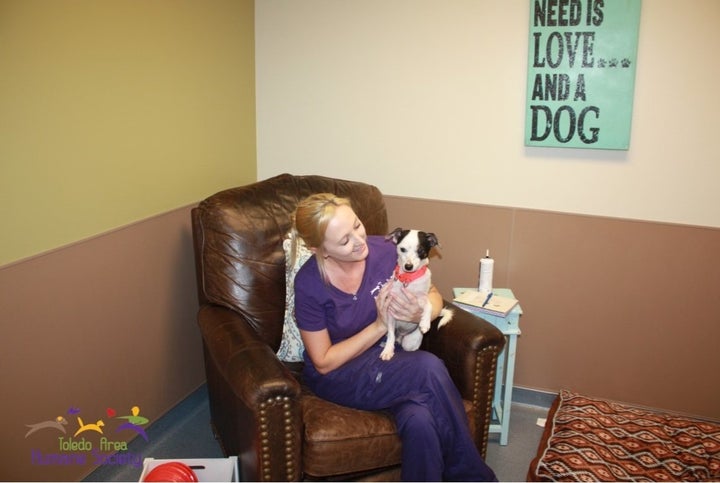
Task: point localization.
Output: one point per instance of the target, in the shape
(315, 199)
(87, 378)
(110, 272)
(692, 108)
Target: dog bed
(589, 439)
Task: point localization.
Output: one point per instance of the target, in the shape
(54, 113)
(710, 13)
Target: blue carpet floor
(185, 432)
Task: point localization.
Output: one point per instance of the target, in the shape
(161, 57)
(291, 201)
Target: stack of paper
(487, 302)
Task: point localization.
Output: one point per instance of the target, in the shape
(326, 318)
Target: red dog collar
(406, 277)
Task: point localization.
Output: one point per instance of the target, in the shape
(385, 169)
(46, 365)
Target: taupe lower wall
(614, 308)
(622, 309)
(104, 324)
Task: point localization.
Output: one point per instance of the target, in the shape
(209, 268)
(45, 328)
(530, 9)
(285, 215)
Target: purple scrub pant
(416, 388)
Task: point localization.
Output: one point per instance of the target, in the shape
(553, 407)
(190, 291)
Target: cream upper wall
(112, 111)
(425, 98)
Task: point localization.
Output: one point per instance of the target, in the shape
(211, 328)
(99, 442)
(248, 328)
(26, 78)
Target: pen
(487, 299)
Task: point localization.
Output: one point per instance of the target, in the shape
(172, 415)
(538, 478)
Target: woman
(340, 304)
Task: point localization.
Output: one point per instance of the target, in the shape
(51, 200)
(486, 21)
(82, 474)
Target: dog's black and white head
(413, 247)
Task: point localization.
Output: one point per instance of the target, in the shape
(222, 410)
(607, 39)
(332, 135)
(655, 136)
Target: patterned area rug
(588, 439)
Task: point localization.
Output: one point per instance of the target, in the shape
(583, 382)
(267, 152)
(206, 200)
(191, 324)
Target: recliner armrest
(460, 341)
(247, 363)
(470, 346)
(253, 396)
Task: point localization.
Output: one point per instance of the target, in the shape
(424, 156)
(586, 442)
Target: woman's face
(345, 237)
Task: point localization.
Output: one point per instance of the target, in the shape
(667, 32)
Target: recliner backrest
(238, 236)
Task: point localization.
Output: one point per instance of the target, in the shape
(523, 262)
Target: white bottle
(486, 273)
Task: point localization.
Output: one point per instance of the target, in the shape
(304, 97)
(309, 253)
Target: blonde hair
(312, 216)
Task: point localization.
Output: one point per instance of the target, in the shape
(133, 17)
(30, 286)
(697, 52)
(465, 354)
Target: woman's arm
(327, 356)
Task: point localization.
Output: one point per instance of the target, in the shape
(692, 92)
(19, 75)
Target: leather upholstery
(260, 409)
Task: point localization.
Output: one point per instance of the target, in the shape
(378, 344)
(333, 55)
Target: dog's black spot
(425, 243)
(397, 235)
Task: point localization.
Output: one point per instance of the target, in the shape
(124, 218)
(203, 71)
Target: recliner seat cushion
(358, 440)
(339, 440)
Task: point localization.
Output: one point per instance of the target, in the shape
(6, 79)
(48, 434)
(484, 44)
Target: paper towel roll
(485, 279)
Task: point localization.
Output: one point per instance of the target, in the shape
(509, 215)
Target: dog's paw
(387, 353)
(426, 318)
(446, 316)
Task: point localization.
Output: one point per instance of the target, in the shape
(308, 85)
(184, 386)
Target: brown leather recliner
(260, 410)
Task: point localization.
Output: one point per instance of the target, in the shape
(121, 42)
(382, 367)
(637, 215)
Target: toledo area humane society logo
(77, 439)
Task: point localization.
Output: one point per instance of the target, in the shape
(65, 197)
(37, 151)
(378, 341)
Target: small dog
(413, 248)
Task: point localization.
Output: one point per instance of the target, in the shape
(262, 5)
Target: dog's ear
(432, 239)
(394, 235)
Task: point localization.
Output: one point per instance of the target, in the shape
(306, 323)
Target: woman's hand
(404, 305)
(382, 303)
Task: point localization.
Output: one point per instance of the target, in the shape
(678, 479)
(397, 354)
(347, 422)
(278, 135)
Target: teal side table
(510, 327)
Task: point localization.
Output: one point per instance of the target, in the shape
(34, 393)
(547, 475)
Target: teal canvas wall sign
(581, 73)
